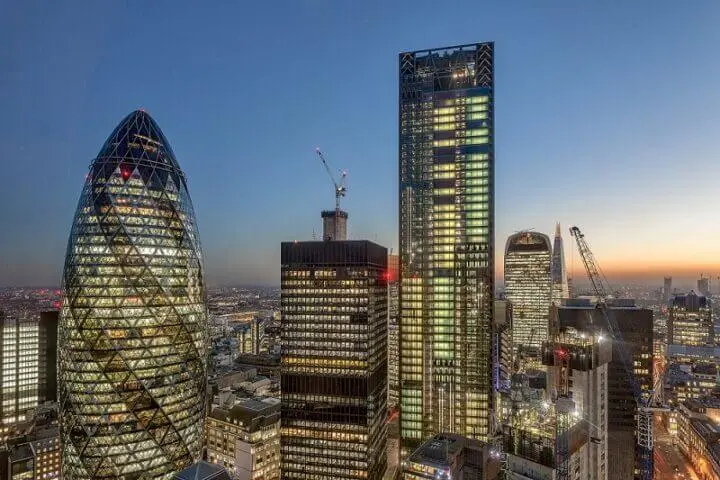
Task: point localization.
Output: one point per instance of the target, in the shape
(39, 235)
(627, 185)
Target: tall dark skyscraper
(558, 270)
(47, 356)
(446, 163)
(334, 360)
(133, 328)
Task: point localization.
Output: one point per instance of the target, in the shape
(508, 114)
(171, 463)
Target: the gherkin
(133, 333)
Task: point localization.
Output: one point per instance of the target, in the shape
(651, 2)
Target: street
(668, 457)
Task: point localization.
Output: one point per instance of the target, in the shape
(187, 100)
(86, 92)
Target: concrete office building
(245, 439)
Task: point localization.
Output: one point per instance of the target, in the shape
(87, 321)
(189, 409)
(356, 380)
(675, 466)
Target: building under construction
(561, 432)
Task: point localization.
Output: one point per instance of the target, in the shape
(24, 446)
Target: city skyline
(583, 117)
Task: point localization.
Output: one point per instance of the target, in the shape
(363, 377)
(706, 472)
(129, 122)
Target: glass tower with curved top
(133, 331)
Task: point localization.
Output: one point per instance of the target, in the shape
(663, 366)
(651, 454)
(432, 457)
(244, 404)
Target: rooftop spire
(557, 229)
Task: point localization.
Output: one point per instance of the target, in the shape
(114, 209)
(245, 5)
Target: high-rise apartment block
(528, 287)
(558, 270)
(19, 368)
(133, 327)
(691, 321)
(245, 439)
(334, 360)
(446, 163)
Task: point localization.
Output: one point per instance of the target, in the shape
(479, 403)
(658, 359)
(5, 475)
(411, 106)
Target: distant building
(688, 381)
(528, 287)
(667, 288)
(703, 285)
(448, 456)
(203, 470)
(19, 371)
(691, 322)
(446, 195)
(636, 327)
(334, 360)
(699, 435)
(558, 271)
(245, 439)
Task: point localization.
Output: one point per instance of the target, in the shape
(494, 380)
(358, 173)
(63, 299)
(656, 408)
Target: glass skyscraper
(133, 329)
(558, 270)
(446, 159)
(528, 287)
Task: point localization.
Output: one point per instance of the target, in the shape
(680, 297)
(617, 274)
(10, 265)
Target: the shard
(558, 271)
(133, 333)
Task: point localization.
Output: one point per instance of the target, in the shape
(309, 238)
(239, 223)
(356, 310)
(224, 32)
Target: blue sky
(607, 116)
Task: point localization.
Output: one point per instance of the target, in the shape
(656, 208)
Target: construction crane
(340, 188)
(644, 400)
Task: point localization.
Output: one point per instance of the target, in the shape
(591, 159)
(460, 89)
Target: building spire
(557, 229)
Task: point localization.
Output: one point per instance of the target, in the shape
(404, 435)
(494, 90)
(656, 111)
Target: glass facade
(446, 161)
(528, 287)
(334, 360)
(558, 270)
(133, 328)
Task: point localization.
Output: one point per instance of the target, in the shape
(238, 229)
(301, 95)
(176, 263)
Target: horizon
(590, 128)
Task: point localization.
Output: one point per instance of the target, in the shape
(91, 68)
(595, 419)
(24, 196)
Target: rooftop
(438, 450)
(203, 470)
(250, 413)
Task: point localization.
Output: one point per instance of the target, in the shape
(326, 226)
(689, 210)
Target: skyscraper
(703, 285)
(334, 360)
(667, 288)
(47, 356)
(446, 162)
(691, 321)
(636, 328)
(393, 274)
(19, 369)
(558, 271)
(133, 329)
(528, 287)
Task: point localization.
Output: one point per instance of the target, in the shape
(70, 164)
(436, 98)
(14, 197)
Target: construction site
(564, 404)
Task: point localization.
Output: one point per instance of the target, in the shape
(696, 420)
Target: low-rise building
(699, 435)
(245, 439)
(203, 471)
(449, 456)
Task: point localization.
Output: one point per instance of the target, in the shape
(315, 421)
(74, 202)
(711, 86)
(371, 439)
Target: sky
(607, 117)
